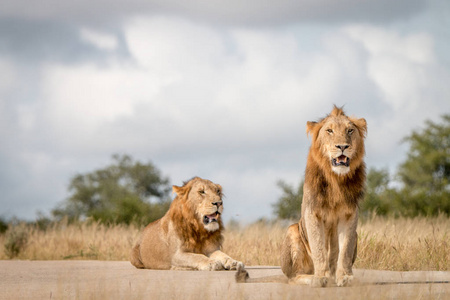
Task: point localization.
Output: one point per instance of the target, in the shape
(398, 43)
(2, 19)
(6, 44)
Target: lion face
(340, 140)
(206, 200)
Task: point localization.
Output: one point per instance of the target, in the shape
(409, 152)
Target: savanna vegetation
(402, 244)
(403, 226)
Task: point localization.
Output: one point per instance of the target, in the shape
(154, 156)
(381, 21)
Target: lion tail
(243, 277)
(135, 257)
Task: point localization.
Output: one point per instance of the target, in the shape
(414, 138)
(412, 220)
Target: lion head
(338, 142)
(201, 203)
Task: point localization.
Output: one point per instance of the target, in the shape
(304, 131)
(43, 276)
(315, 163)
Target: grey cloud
(233, 12)
(30, 41)
(50, 31)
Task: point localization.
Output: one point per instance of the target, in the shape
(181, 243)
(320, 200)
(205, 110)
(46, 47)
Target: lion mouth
(207, 219)
(341, 161)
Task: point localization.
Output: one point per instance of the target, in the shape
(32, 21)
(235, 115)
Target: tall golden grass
(384, 243)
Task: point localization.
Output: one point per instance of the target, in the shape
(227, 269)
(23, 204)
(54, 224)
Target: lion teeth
(341, 161)
(210, 218)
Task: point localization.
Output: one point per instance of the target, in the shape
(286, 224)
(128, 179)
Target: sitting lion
(323, 244)
(189, 235)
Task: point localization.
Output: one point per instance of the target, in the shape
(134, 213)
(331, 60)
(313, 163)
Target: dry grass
(256, 244)
(384, 244)
(74, 241)
(404, 244)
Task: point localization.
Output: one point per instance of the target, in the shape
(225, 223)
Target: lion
(323, 244)
(189, 235)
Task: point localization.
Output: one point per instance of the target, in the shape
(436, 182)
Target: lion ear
(361, 124)
(310, 125)
(179, 190)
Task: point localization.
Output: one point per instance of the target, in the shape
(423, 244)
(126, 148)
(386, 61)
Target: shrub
(16, 240)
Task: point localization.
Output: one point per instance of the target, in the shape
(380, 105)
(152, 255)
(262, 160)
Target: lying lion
(189, 235)
(322, 245)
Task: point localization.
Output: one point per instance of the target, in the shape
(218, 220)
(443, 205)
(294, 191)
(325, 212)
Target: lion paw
(212, 265)
(319, 281)
(344, 280)
(231, 264)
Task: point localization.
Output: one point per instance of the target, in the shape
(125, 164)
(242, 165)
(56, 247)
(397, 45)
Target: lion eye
(201, 192)
(350, 131)
(330, 131)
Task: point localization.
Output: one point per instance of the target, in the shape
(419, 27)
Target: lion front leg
(333, 252)
(227, 262)
(319, 250)
(188, 260)
(347, 246)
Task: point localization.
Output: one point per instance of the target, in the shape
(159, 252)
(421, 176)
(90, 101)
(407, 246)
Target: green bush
(15, 240)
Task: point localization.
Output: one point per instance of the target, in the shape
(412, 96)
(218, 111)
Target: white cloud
(257, 73)
(403, 67)
(399, 65)
(88, 95)
(99, 39)
(414, 47)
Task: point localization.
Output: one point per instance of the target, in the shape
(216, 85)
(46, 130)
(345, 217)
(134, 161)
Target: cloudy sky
(218, 89)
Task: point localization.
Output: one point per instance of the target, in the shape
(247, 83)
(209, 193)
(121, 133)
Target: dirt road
(120, 280)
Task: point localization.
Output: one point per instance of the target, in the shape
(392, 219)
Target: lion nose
(342, 147)
(218, 203)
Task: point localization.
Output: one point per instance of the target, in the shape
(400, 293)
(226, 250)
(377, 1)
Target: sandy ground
(120, 280)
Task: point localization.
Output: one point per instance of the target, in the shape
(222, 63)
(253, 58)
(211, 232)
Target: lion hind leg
(135, 257)
(295, 259)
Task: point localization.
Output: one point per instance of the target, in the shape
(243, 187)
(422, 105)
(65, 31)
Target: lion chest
(333, 192)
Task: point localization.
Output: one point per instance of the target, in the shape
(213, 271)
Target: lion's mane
(182, 213)
(328, 189)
